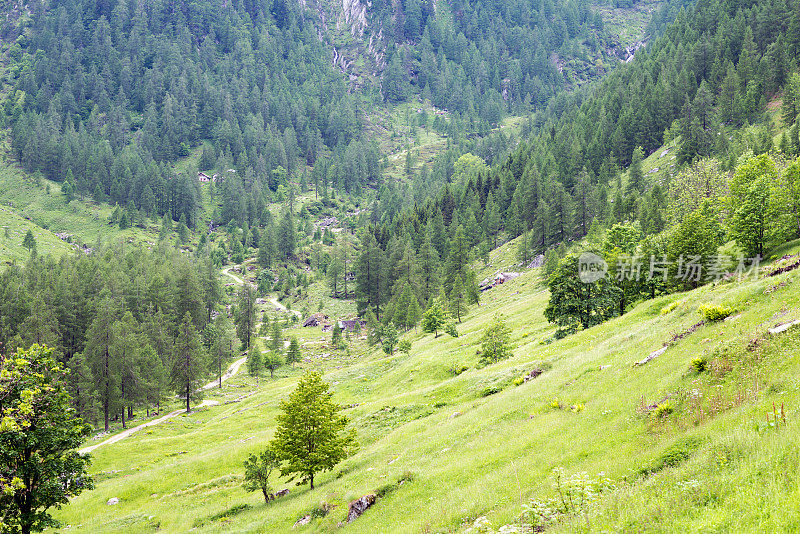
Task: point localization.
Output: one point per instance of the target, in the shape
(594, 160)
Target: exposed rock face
(354, 14)
(359, 506)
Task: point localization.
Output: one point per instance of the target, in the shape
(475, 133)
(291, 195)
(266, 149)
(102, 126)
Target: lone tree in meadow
(272, 361)
(311, 435)
(29, 241)
(433, 319)
(293, 354)
(257, 470)
(39, 431)
(496, 342)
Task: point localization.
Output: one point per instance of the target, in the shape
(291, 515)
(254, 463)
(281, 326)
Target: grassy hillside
(473, 444)
(13, 232)
(43, 204)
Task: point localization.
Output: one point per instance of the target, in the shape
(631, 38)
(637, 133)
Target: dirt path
(274, 301)
(227, 272)
(232, 370)
(130, 431)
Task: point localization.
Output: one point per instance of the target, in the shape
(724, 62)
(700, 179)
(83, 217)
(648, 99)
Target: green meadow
(443, 441)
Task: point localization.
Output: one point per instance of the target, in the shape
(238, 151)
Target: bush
(713, 313)
(669, 308)
(450, 328)
(700, 364)
(663, 410)
(672, 456)
(404, 346)
(458, 369)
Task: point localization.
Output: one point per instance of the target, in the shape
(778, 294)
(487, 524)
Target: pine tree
(189, 361)
(457, 298)
(29, 241)
(389, 339)
(336, 336)
(125, 356)
(276, 338)
(99, 358)
(293, 354)
(255, 362)
(245, 315)
(635, 176)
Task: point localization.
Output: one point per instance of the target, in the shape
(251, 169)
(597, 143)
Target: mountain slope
(464, 454)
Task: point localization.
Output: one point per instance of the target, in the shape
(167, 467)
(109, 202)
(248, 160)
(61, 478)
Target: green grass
(470, 455)
(86, 220)
(11, 249)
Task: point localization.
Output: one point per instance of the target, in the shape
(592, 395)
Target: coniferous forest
(313, 265)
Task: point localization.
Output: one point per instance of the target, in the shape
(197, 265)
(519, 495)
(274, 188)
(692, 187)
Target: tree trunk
(123, 404)
(187, 396)
(312, 480)
(105, 413)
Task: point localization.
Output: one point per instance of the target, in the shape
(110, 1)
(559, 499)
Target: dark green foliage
(389, 339)
(575, 304)
(293, 354)
(160, 85)
(674, 455)
(29, 241)
(257, 470)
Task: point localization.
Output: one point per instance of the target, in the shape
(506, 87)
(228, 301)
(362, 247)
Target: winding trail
(274, 301)
(232, 370)
(124, 434)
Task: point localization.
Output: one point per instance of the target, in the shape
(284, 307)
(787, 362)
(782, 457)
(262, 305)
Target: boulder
(303, 521)
(780, 328)
(654, 354)
(359, 506)
(282, 493)
(112, 501)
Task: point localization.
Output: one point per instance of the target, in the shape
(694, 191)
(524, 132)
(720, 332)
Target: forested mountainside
(103, 96)
(710, 73)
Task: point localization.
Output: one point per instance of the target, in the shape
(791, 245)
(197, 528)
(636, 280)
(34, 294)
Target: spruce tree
(189, 361)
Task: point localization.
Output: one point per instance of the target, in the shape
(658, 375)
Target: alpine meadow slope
(443, 447)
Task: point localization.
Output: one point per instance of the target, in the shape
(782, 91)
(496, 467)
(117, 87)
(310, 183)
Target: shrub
(713, 312)
(404, 346)
(496, 342)
(672, 456)
(699, 364)
(663, 410)
(490, 390)
(457, 369)
(450, 328)
(669, 308)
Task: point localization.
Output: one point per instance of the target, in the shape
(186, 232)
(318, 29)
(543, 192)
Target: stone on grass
(359, 506)
(112, 501)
